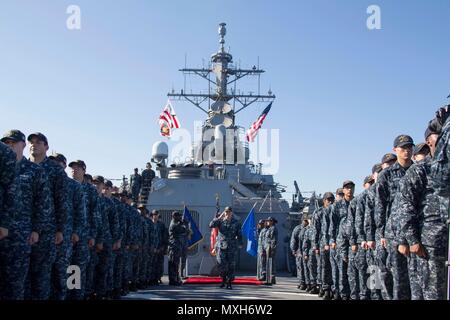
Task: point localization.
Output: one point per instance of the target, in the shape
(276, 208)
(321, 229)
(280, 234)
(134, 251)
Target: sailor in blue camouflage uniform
(19, 222)
(9, 208)
(76, 224)
(304, 252)
(116, 234)
(339, 238)
(361, 240)
(103, 243)
(385, 191)
(316, 222)
(52, 237)
(128, 241)
(135, 184)
(295, 249)
(261, 253)
(178, 231)
(135, 246)
(440, 169)
(421, 216)
(95, 244)
(357, 266)
(162, 252)
(324, 244)
(120, 249)
(229, 240)
(333, 253)
(157, 247)
(377, 254)
(144, 248)
(311, 261)
(352, 269)
(271, 240)
(85, 247)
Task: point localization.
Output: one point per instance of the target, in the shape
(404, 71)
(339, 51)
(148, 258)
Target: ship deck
(285, 289)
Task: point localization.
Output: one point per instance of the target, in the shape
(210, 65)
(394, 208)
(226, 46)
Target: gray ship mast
(220, 105)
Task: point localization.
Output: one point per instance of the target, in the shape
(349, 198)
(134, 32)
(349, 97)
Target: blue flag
(196, 236)
(249, 231)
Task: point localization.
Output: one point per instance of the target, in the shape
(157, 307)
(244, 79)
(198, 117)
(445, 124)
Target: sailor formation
(81, 238)
(391, 241)
(77, 238)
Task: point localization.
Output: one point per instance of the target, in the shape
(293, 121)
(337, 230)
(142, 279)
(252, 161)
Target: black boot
(229, 285)
(116, 294)
(321, 292)
(224, 281)
(327, 295)
(314, 290)
(303, 287)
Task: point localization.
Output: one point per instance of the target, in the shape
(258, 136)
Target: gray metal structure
(219, 165)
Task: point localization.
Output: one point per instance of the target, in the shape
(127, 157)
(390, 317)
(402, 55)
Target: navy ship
(218, 172)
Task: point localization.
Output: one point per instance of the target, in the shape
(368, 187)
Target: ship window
(166, 217)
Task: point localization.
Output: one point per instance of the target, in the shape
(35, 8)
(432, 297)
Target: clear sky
(343, 91)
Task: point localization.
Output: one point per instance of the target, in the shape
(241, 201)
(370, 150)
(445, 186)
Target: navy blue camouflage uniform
(271, 243)
(43, 254)
(324, 240)
(94, 218)
(10, 208)
(386, 189)
(76, 222)
(422, 218)
(178, 231)
(356, 258)
(309, 251)
(262, 257)
(376, 258)
(81, 250)
(338, 234)
(362, 254)
(228, 241)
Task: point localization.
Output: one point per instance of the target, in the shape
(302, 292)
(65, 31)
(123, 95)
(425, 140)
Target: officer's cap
(154, 212)
(328, 195)
(403, 141)
(38, 135)
(176, 214)
(98, 179)
(272, 219)
(58, 157)
(433, 128)
(228, 209)
(348, 183)
(377, 168)
(261, 221)
(14, 135)
(421, 148)
(79, 163)
(369, 179)
(388, 157)
(108, 183)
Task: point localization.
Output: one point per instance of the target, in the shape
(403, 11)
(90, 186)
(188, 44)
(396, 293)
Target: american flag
(168, 120)
(253, 130)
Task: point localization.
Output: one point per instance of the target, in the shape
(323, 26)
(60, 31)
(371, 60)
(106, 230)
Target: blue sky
(343, 92)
